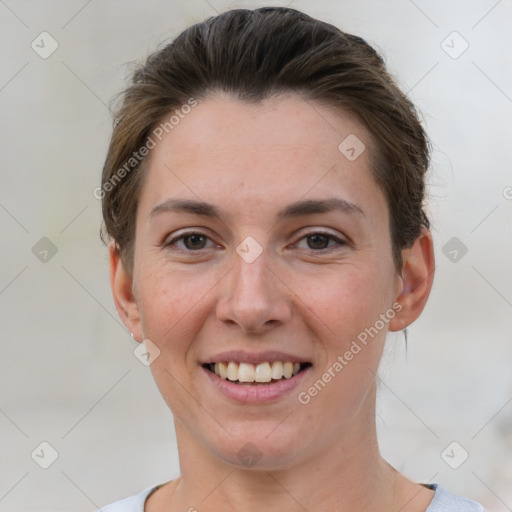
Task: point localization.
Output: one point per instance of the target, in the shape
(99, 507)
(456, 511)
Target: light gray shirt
(443, 501)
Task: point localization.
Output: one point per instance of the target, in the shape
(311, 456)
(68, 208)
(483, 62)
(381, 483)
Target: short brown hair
(253, 55)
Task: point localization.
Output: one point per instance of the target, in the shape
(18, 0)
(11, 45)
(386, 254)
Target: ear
(122, 290)
(415, 281)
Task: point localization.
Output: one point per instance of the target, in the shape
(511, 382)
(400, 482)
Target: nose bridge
(251, 269)
(254, 297)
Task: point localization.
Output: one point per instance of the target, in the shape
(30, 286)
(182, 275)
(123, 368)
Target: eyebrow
(296, 209)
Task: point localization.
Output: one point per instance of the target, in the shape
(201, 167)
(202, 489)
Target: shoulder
(444, 501)
(133, 503)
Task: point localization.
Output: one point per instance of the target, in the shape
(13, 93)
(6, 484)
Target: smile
(267, 372)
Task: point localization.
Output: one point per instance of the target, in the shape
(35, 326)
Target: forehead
(284, 148)
(222, 123)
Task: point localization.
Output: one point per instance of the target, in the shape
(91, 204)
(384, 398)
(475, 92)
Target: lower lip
(256, 394)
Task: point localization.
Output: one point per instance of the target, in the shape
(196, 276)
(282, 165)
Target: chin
(261, 452)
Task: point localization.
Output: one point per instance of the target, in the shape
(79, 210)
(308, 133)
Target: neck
(348, 474)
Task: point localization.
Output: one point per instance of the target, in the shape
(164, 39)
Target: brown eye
(319, 241)
(192, 241)
(196, 241)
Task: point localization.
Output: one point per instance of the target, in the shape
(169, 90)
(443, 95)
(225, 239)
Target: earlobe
(121, 284)
(417, 278)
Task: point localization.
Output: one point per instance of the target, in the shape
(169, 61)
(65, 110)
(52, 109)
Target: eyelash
(307, 235)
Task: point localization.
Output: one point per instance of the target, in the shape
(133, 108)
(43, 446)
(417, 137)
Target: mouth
(261, 374)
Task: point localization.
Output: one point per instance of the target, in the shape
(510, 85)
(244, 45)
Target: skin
(304, 296)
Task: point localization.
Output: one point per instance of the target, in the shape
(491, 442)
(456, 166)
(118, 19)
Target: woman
(263, 198)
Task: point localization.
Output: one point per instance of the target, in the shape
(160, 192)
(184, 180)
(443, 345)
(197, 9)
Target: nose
(254, 297)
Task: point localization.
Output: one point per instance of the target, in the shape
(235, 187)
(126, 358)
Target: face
(287, 268)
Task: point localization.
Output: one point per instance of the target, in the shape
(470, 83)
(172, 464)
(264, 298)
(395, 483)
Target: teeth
(263, 372)
(288, 370)
(232, 371)
(246, 372)
(222, 370)
(277, 370)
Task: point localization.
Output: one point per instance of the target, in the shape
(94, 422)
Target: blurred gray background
(68, 376)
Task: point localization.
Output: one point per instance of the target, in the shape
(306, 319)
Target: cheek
(346, 300)
(349, 305)
(349, 309)
(172, 306)
(168, 300)
(172, 313)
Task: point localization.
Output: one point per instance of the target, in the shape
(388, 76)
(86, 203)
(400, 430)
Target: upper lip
(242, 356)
